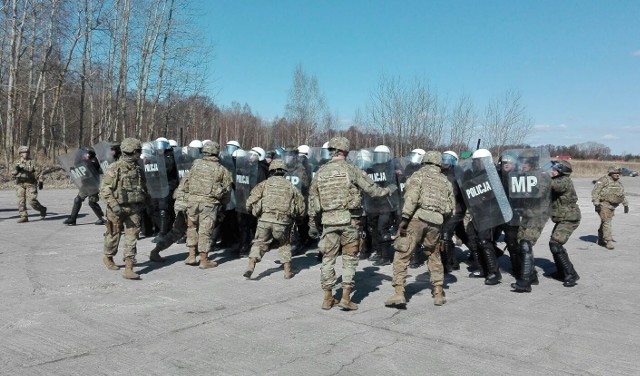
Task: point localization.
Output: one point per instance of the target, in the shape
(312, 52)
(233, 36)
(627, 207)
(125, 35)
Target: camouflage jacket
(209, 182)
(181, 194)
(608, 191)
(335, 192)
(26, 171)
(429, 196)
(564, 200)
(276, 200)
(123, 183)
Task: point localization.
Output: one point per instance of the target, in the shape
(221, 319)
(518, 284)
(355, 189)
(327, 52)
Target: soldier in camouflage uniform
(607, 194)
(179, 229)
(335, 195)
(28, 180)
(277, 204)
(209, 192)
(429, 201)
(565, 213)
(123, 191)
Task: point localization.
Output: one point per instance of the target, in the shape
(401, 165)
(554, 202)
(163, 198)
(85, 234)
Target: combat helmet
(562, 166)
(211, 148)
(129, 145)
(432, 157)
(339, 143)
(613, 169)
(277, 164)
(23, 149)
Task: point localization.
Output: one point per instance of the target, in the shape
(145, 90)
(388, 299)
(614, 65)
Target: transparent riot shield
(155, 171)
(298, 170)
(384, 175)
(184, 159)
(245, 179)
(81, 171)
(483, 193)
(528, 185)
(317, 158)
(104, 154)
(363, 158)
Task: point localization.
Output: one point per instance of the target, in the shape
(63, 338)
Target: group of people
(356, 203)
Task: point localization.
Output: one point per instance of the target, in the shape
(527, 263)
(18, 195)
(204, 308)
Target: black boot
(515, 257)
(445, 257)
(163, 226)
(97, 210)
(528, 276)
(477, 261)
(493, 272)
(77, 204)
(570, 276)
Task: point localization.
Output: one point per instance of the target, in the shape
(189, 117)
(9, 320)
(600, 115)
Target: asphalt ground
(64, 313)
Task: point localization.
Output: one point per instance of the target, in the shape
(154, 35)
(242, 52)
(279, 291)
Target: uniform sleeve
(597, 189)
(106, 187)
(364, 182)
(411, 195)
(314, 199)
(298, 202)
(253, 201)
(451, 198)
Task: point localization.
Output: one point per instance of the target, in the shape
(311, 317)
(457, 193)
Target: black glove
(402, 227)
(117, 210)
(313, 233)
(626, 210)
(40, 185)
(19, 168)
(597, 208)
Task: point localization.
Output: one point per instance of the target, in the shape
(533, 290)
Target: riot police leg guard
(97, 210)
(529, 275)
(163, 226)
(450, 254)
(563, 263)
(493, 276)
(515, 259)
(77, 204)
(477, 261)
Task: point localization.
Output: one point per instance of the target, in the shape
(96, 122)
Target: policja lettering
(378, 176)
(479, 189)
(151, 167)
(242, 179)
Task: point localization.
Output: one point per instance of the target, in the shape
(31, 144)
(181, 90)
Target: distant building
(563, 157)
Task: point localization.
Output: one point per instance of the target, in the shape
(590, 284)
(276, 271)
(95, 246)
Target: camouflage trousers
(418, 232)
(267, 233)
(345, 238)
(606, 217)
(201, 220)
(562, 231)
(27, 192)
(129, 221)
(530, 229)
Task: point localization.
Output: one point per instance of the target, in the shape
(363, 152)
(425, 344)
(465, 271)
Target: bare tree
(506, 121)
(306, 107)
(462, 121)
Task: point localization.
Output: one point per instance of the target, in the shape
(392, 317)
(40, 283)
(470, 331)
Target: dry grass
(595, 169)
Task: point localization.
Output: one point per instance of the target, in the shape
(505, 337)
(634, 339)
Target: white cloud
(547, 127)
(636, 53)
(610, 137)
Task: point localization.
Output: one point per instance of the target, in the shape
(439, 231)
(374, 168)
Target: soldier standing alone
(123, 191)
(27, 183)
(429, 201)
(276, 203)
(335, 195)
(607, 194)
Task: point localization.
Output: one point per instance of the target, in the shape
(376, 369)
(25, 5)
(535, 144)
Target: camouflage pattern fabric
(428, 196)
(276, 200)
(336, 238)
(267, 233)
(129, 222)
(27, 193)
(608, 192)
(418, 232)
(565, 212)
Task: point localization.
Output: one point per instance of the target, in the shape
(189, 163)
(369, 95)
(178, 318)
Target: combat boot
(155, 255)
(128, 270)
(328, 301)
(205, 263)
(396, 299)
(191, 259)
(23, 219)
(287, 270)
(43, 212)
(438, 296)
(250, 268)
(609, 245)
(346, 303)
(108, 262)
(71, 220)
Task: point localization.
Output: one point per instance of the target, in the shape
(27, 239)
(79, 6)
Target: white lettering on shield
(479, 189)
(293, 179)
(378, 176)
(79, 172)
(242, 179)
(151, 167)
(523, 184)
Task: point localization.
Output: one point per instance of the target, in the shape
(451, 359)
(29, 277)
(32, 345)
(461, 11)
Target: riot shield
(483, 193)
(384, 175)
(81, 171)
(104, 154)
(363, 158)
(155, 171)
(528, 184)
(298, 170)
(245, 179)
(317, 157)
(184, 157)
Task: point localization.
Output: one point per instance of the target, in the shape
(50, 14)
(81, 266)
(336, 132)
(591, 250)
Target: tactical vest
(278, 196)
(129, 186)
(333, 188)
(613, 192)
(431, 197)
(205, 179)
